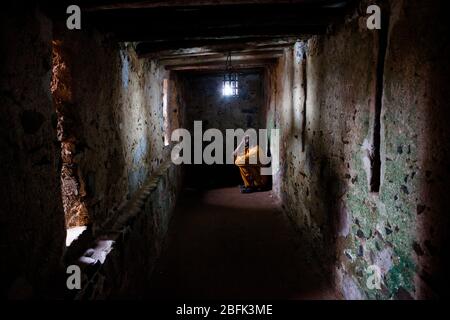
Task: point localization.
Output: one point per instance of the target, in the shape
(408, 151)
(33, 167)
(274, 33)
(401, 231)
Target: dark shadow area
(212, 176)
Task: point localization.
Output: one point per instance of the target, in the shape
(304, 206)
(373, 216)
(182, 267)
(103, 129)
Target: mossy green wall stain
(401, 274)
(379, 227)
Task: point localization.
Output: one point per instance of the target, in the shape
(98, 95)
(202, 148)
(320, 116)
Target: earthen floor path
(224, 244)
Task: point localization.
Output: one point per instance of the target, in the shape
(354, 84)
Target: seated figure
(250, 173)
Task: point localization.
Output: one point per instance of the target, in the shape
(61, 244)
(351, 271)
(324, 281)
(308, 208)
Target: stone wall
(116, 117)
(32, 218)
(205, 101)
(107, 114)
(360, 83)
(416, 132)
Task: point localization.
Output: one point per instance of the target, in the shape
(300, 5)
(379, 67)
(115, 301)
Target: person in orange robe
(250, 173)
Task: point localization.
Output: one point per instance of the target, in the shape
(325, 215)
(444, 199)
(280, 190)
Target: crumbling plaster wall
(323, 183)
(112, 111)
(116, 116)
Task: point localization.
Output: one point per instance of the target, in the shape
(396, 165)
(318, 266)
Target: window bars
(230, 83)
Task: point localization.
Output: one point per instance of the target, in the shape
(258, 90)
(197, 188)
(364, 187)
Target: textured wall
(416, 117)
(32, 218)
(324, 183)
(109, 108)
(116, 116)
(205, 102)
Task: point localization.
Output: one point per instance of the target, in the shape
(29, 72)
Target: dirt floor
(224, 244)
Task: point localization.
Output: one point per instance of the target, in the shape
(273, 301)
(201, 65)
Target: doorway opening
(207, 97)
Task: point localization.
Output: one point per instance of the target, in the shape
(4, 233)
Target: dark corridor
(97, 97)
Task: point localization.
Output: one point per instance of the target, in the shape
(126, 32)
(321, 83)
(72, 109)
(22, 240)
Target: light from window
(230, 85)
(166, 112)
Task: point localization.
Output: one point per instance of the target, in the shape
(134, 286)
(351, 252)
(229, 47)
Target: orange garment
(251, 173)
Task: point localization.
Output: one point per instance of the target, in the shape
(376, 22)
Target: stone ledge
(110, 241)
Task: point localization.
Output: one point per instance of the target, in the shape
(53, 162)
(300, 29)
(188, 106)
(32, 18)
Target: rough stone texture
(417, 151)
(111, 119)
(205, 102)
(32, 218)
(108, 110)
(116, 118)
(116, 114)
(73, 189)
(324, 183)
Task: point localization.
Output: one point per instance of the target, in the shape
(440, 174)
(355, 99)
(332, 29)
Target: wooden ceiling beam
(215, 65)
(204, 35)
(221, 58)
(178, 49)
(214, 53)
